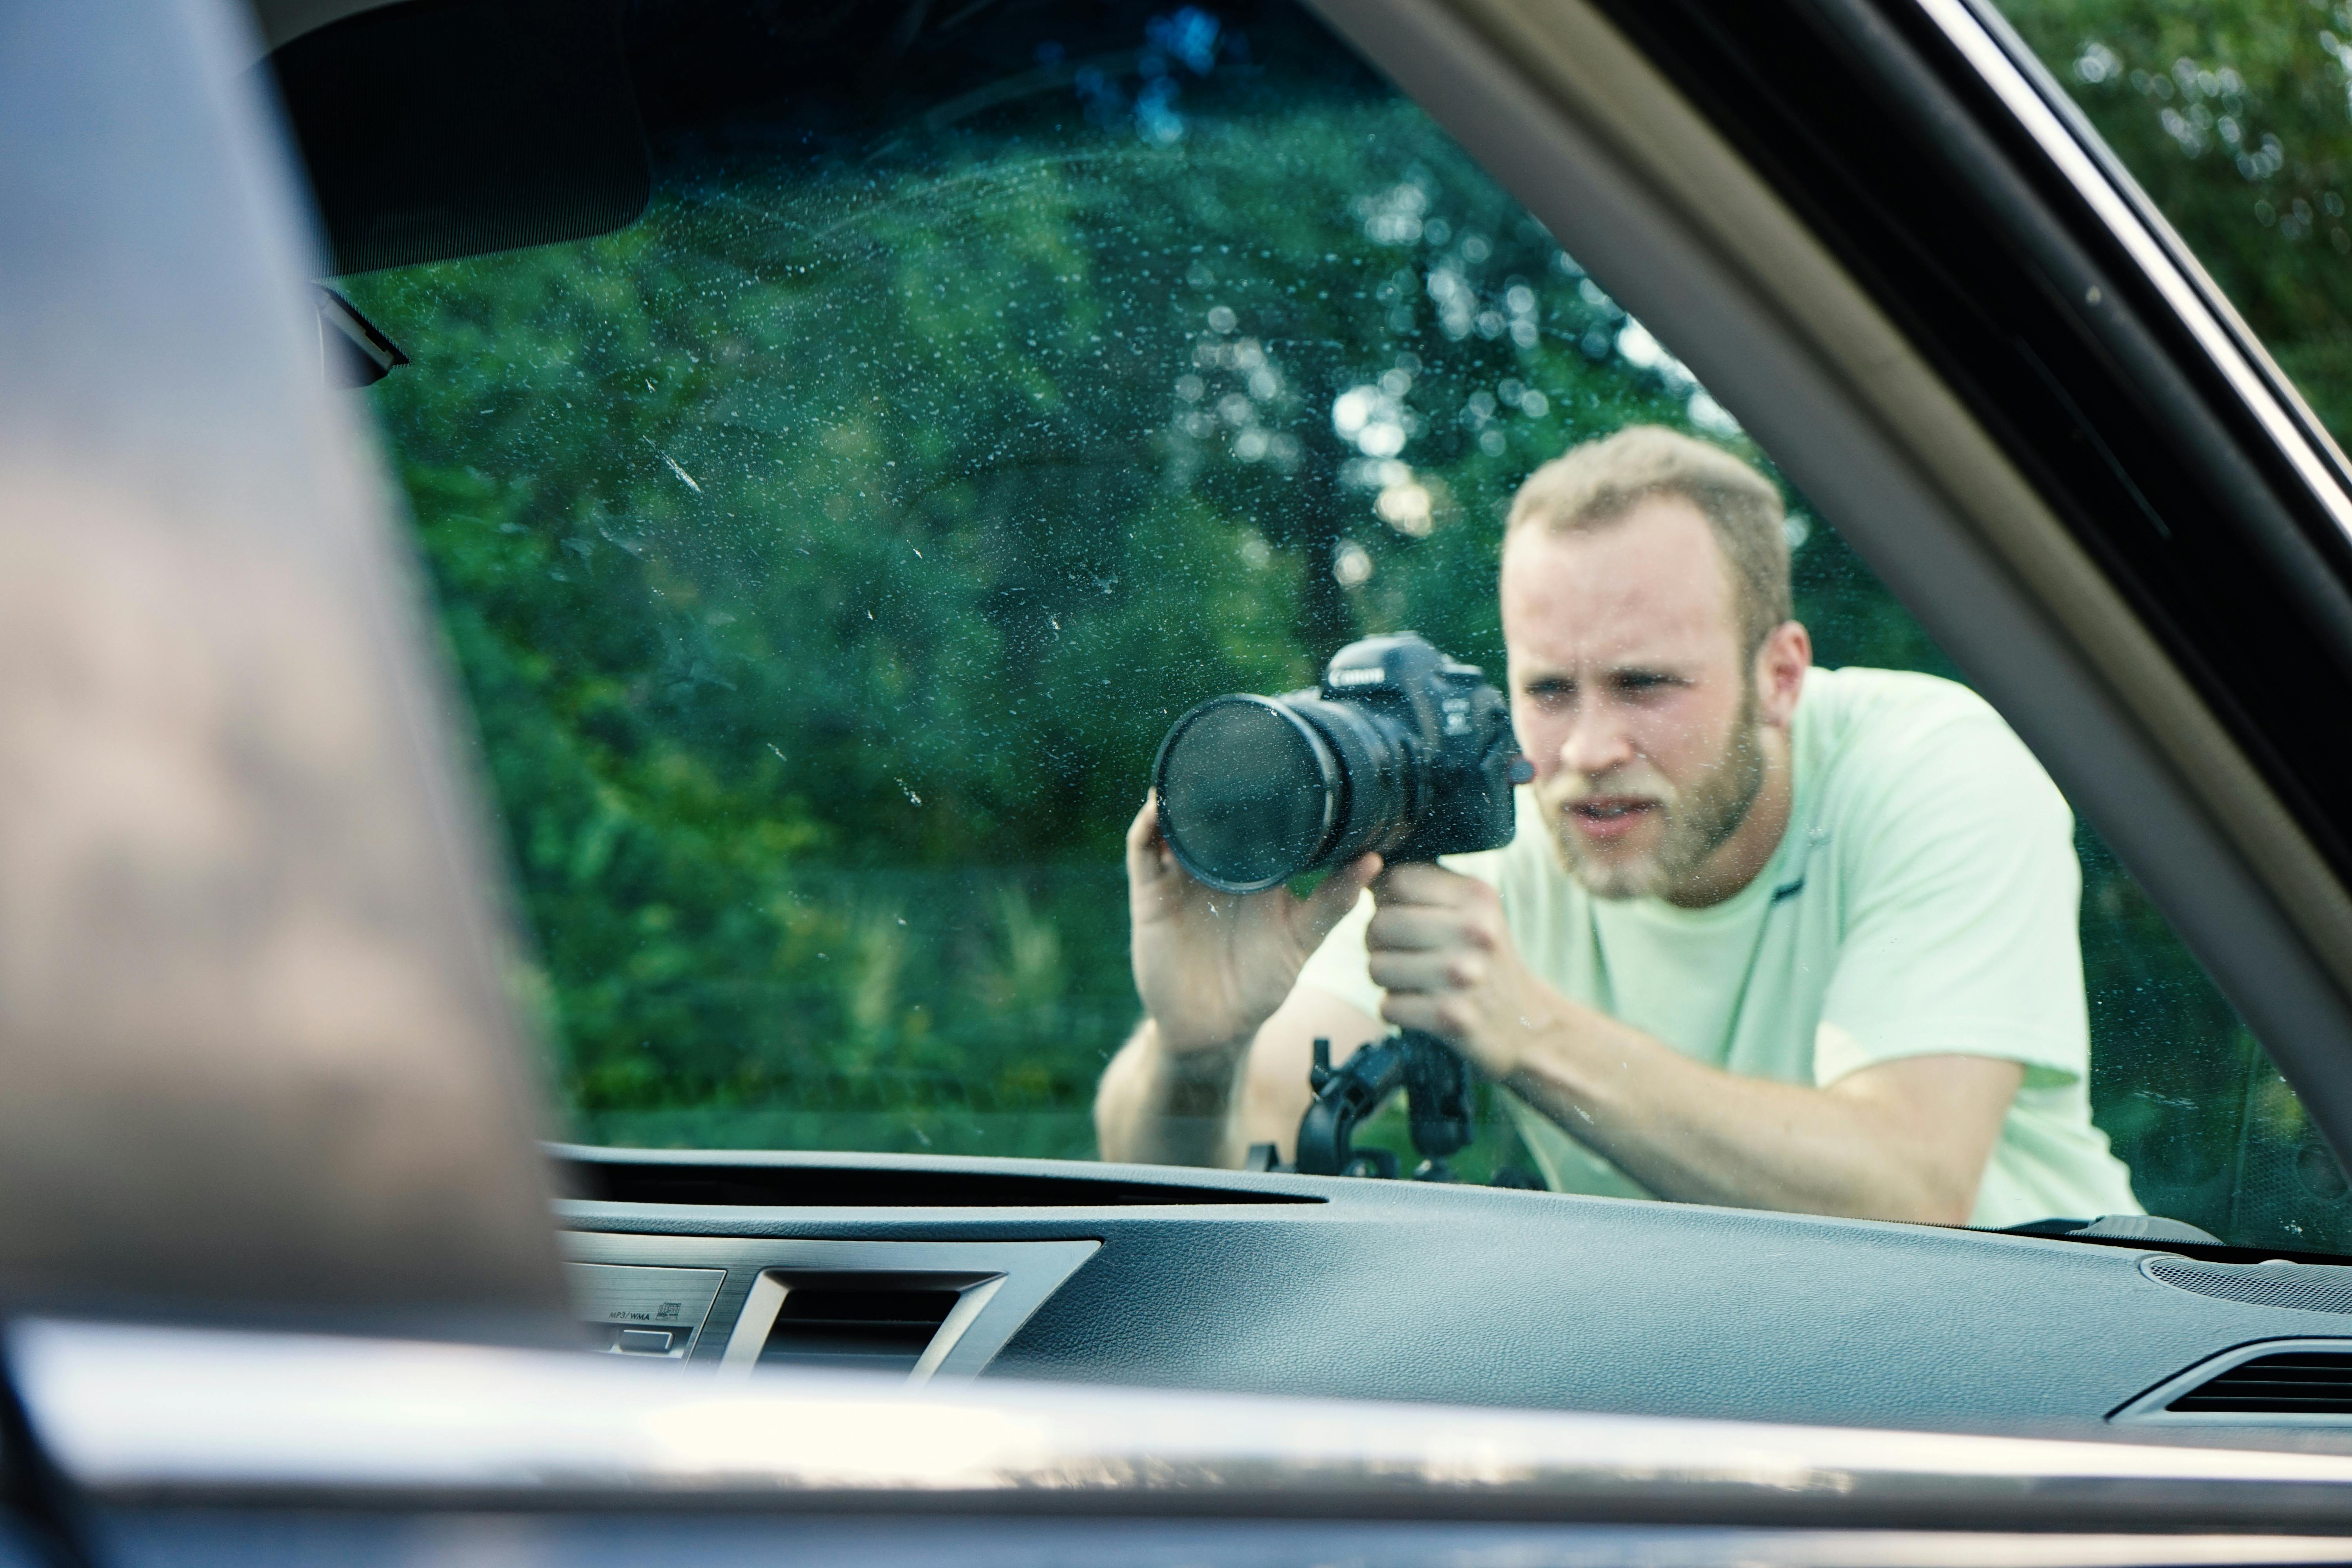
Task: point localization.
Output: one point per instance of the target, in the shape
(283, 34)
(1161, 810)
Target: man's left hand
(1440, 948)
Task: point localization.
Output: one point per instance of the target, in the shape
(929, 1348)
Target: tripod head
(1436, 1084)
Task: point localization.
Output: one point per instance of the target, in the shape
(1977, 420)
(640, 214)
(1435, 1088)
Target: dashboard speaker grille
(2296, 1382)
(2260, 1285)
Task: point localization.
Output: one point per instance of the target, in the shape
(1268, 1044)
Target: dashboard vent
(855, 1329)
(2296, 1382)
(2306, 1286)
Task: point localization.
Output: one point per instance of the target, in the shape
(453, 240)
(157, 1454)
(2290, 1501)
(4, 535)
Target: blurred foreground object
(256, 1052)
(183, 1421)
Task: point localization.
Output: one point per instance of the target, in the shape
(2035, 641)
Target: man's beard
(1698, 819)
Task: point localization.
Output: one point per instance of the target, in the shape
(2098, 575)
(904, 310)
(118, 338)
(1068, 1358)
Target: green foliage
(2233, 117)
(825, 555)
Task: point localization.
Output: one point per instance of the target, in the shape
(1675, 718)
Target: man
(1769, 935)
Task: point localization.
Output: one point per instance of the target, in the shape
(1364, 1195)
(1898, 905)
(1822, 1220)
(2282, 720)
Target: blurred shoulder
(1876, 702)
(1896, 735)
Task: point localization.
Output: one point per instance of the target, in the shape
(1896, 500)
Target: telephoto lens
(1402, 751)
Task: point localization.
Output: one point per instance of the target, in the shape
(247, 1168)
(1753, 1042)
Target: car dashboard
(1413, 1292)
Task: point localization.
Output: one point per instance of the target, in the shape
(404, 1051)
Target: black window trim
(2073, 141)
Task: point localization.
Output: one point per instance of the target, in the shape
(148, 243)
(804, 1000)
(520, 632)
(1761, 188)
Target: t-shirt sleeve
(1962, 897)
(1339, 968)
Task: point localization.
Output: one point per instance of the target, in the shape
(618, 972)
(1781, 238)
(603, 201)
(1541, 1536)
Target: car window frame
(1623, 162)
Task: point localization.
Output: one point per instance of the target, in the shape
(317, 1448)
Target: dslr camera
(1402, 751)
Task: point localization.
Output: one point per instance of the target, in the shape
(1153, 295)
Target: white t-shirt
(1923, 902)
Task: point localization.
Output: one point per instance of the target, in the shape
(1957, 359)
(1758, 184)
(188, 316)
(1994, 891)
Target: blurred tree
(827, 553)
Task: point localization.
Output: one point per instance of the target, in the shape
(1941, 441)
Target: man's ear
(1781, 660)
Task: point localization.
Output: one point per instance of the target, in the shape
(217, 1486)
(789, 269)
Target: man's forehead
(1649, 586)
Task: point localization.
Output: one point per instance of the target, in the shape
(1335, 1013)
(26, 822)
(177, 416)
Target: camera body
(1402, 751)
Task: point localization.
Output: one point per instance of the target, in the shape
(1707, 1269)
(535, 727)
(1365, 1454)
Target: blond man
(1769, 935)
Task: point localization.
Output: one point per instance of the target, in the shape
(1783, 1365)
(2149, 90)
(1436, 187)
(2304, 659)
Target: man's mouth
(1610, 817)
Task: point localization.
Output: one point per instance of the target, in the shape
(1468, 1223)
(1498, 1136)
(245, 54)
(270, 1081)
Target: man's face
(1630, 695)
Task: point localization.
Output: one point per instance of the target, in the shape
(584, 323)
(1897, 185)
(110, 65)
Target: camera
(1401, 751)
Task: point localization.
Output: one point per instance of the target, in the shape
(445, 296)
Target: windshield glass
(827, 551)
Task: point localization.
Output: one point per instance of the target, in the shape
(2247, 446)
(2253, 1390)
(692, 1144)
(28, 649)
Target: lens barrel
(1256, 789)
(1402, 751)
(1248, 793)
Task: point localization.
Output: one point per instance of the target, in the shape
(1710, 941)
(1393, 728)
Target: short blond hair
(1600, 481)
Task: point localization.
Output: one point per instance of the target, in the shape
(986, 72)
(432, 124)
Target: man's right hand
(1211, 967)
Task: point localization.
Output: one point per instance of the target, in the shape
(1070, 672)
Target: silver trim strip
(749, 1335)
(208, 1416)
(1993, 63)
(956, 1327)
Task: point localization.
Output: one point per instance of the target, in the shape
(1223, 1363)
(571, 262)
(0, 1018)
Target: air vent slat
(2268, 1369)
(2295, 1382)
(856, 1330)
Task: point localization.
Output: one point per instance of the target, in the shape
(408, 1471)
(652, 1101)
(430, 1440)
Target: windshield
(827, 551)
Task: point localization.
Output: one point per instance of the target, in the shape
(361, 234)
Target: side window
(826, 553)
(2234, 119)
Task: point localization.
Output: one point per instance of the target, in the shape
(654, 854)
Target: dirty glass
(825, 553)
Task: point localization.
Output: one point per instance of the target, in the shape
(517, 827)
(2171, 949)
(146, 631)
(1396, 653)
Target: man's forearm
(1901, 1138)
(1698, 1135)
(1156, 1109)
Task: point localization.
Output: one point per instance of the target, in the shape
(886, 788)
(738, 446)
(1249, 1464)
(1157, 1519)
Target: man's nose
(1595, 742)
